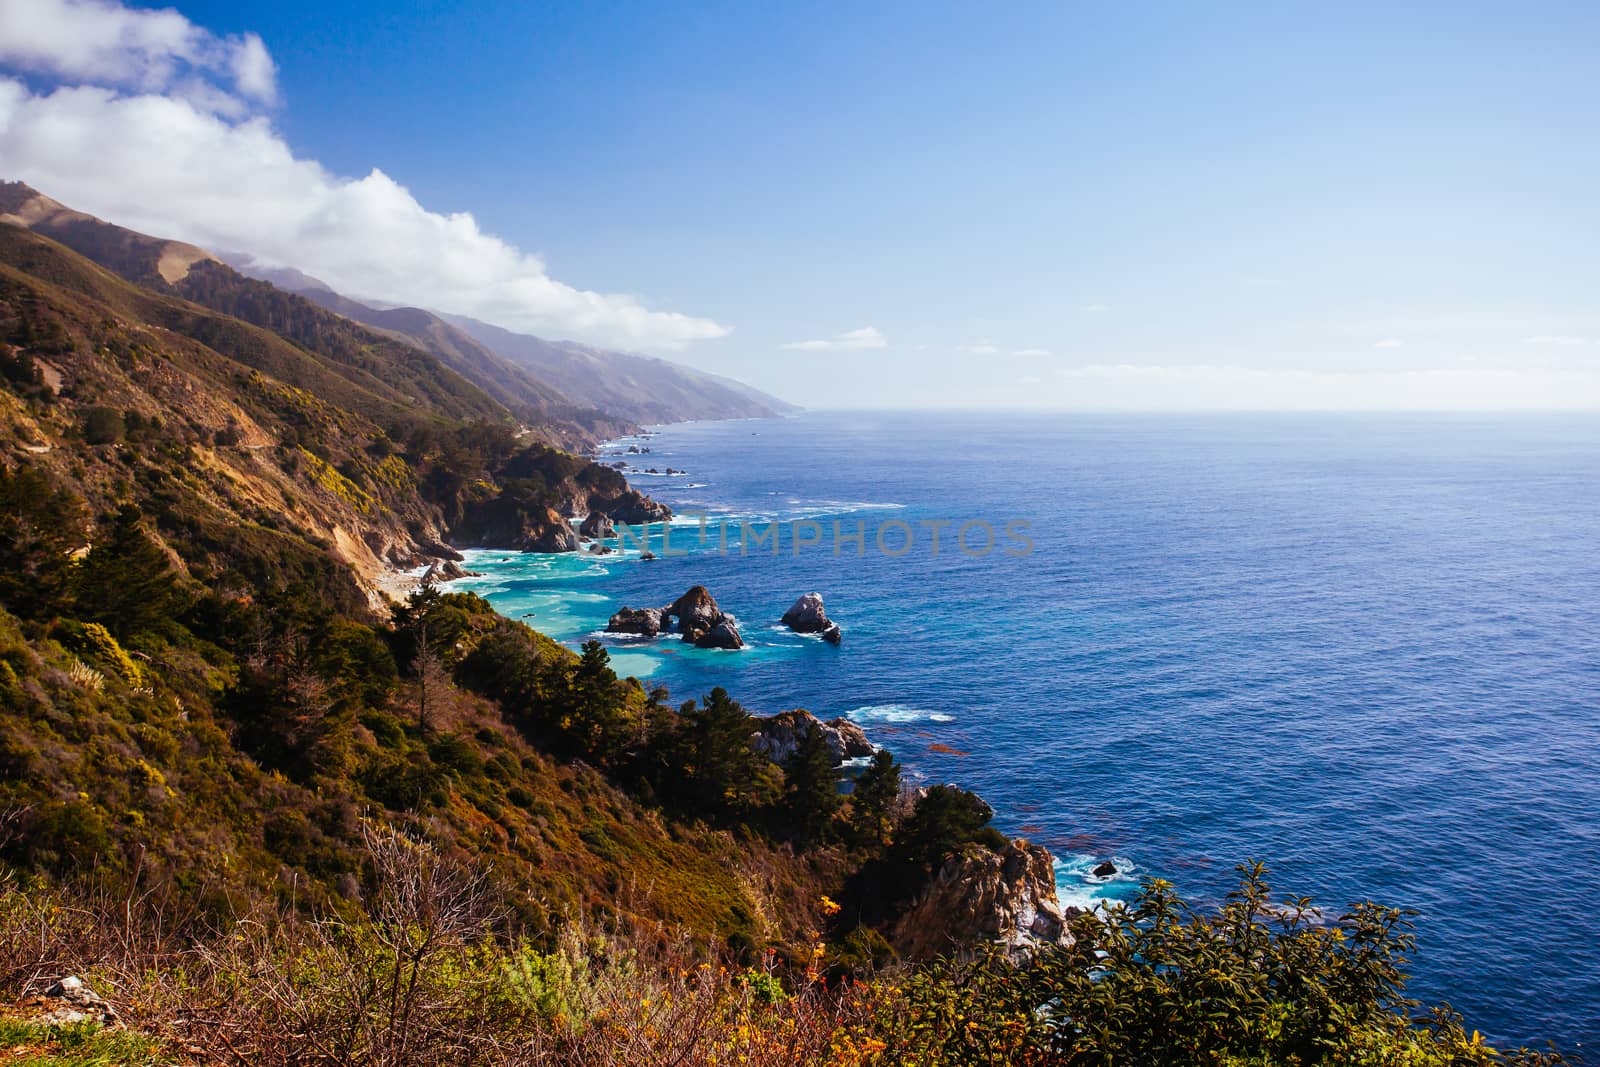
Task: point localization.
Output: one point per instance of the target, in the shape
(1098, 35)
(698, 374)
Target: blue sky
(1162, 205)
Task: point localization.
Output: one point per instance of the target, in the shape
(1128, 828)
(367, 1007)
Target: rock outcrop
(447, 571)
(697, 618)
(646, 621)
(1007, 897)
(598, 525)
(631, 507)
(807, 616)
(70, 1001)
(723, 635)
(554, 534)
(777, 736)
(536, 521)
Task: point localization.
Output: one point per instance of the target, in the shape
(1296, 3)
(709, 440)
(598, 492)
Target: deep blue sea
(1364, 648)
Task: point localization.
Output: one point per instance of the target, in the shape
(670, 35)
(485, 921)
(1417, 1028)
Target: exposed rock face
(447, 571)
(696, 614)
(807, 616)
(554, 534)
(723, 635)
(71, 1001)
(1104, 870)
(645, 621)
(597, 525)
(777, 736)
(852, 738)
(504, 524)
(631, 507)
(980, 896)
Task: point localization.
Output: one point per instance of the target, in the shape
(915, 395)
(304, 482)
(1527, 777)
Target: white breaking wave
(897, 713)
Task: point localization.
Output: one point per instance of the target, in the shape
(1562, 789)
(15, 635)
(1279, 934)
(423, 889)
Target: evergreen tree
(946, 819)
(722, 772)
(594, 716)
(872, 804)
(813, 787)
(40, 527)
(127, 583)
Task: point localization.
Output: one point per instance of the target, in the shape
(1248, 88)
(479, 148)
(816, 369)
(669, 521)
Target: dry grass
(419, 977)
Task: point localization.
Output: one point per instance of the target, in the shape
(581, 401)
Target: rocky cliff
(981, 895)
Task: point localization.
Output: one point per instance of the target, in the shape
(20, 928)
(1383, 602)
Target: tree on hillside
(434, 690)
(40, 527)
(594, 717)
(873, 803)
(127, 583)
(945, 820)
(721, 772)
(813, 787)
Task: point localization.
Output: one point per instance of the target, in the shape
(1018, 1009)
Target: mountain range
(571, 393)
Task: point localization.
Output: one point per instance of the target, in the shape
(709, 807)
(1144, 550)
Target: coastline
(1076, 887)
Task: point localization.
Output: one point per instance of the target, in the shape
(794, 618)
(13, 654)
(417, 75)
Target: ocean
(1362, 648)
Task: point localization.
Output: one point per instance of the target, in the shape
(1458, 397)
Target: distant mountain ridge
(642, 389)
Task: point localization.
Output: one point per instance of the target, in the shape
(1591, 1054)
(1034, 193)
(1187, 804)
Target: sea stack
(701, 622)
(807, 616)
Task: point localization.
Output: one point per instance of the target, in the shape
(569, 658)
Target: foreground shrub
(423, 973)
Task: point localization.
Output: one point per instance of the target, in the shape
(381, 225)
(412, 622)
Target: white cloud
(1031, 353)
(1029, 379)
(982, 348)
(101, 41)
(1095, 309)
(1561, 340)
(1389, 342)
(865, 337)
(185, 156)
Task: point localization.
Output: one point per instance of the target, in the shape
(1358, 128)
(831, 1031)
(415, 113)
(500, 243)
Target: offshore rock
(646, 621)
(696, 613)
(724, 634)
(981, 896)
(807, 616)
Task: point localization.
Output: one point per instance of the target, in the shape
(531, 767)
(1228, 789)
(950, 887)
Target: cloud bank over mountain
(145, 119)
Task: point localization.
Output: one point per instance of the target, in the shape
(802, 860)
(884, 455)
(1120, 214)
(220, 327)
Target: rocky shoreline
(1006, 897)
(983, 895)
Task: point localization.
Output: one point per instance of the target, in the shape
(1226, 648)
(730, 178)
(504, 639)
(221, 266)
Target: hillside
(276, 817)
(197, 672)
(468, 383)
(641, 389)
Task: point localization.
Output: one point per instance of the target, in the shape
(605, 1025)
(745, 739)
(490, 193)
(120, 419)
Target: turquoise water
(1362, 648)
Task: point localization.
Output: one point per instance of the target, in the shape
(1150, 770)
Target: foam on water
(896, 713)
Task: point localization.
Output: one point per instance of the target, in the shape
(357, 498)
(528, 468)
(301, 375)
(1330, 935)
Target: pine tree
(723, 772)
(127, 583)
(595, 720)
(873, 803)
(40, 528)
(813, 787)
